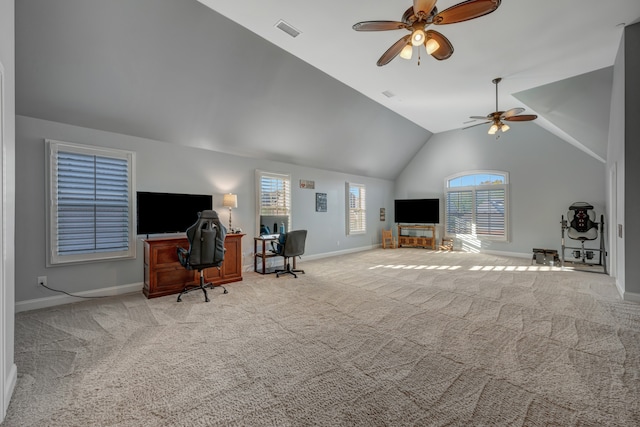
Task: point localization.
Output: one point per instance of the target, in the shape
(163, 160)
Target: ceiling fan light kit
(417, 18)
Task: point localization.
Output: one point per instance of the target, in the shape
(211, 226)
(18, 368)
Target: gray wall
(632, 158)
(171, 168)
(546, 176)
(622, 159)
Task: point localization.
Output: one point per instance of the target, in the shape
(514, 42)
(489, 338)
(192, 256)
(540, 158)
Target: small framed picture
(383, 215)
(321, 202)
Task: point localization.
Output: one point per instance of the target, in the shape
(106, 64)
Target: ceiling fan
(417, 18)
(497, 117)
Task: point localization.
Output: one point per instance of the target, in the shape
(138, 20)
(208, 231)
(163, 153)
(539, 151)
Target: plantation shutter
(91, 204)
(490, 212)
(356, 202)
(275, 194)
(459, 212)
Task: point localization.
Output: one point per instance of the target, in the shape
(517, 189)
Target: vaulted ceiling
(219, 75)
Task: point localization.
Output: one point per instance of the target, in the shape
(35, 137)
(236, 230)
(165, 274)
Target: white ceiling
(528, 43)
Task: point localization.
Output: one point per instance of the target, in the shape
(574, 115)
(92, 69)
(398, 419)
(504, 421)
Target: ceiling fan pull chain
(418, 56)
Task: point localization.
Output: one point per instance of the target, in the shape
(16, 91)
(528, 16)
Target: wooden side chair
(387, 239)
(447, 244)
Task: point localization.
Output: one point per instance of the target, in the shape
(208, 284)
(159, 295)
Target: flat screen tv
(159, 213)
(417, 211)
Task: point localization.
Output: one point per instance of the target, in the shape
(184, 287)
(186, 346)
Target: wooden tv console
(164, 275)
(426, 239)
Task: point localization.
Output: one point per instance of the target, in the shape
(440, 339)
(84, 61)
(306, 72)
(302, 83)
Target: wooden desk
(263, 254)
(164, 275)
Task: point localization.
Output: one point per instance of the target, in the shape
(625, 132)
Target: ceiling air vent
(287, 28)
(388, 94)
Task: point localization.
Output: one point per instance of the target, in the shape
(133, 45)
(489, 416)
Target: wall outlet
(42, 280)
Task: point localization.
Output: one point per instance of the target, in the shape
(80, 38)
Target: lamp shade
(432, 45)
(230, 200)
(417, 38)
(406, 52)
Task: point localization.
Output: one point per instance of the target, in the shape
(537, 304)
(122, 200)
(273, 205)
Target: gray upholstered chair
(291, 247)
(206, 250)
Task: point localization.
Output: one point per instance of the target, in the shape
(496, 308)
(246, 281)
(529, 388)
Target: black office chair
(292, 246)
(206, 250)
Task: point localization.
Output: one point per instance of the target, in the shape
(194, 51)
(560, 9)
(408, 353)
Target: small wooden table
(264, 254)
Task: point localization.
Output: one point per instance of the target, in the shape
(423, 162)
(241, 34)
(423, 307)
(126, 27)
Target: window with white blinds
(356, 209)
(476, 204)
(91, 203)
(274, 194)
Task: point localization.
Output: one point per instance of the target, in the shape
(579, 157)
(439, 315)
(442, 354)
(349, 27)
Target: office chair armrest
(183, 257)
(276, 247)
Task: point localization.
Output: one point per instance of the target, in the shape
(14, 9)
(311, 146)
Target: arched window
(476, 204)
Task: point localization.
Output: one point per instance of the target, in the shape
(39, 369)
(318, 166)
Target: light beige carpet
(404, 337)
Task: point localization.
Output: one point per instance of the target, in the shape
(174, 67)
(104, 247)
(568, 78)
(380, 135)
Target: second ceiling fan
(418, 17)
(496, 118)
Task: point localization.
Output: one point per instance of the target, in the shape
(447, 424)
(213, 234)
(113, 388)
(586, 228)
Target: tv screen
(159, 213)
(417, 211)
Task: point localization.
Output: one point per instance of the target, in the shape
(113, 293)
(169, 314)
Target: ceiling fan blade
(481, 117)
(522, 118)
(424, 6)
(511, 112)
(477, 124)
(446, 48)
(379, 26)
(465, 11)
(393, 51)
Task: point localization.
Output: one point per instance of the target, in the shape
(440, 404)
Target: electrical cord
(71, 295)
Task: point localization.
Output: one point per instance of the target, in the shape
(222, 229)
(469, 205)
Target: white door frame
(612, 259)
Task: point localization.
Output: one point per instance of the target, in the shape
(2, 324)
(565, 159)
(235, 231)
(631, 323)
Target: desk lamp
(230, 201)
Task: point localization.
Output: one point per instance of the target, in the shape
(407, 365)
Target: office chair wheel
(225, 290)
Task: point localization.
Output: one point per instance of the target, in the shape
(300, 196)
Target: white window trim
(473, 189)
(283, 176)
(53, 259)
(348, 209)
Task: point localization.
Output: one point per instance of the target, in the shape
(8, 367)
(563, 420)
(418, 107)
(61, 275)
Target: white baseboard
(37, 303)
(249, 267)
(10, 385)
(342, 252)
(510, 254)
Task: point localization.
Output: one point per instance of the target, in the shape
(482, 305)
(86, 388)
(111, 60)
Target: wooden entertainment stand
(164, 275)
(426, 239)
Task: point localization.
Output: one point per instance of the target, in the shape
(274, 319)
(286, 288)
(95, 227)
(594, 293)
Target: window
(476, 205)
(274, 195)
(91, 205)
(357, 209)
